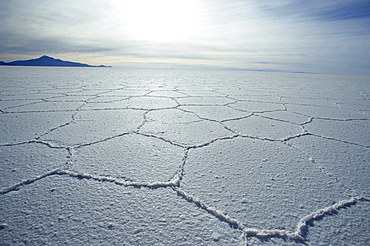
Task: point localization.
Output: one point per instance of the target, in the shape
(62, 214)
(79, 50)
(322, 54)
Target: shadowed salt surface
(183, 157)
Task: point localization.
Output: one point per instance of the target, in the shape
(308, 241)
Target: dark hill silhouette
(47, 61)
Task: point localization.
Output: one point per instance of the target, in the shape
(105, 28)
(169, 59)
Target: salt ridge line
(29, 181)
(175, 180)
(218, 214)
(303, 224)
(116, 181)
(82, 175)
(297, 235)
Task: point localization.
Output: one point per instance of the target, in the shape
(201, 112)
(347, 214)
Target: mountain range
(47, 61)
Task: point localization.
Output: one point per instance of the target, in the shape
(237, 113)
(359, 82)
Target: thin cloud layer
(308, 36)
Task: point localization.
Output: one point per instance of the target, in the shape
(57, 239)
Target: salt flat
(99, 156)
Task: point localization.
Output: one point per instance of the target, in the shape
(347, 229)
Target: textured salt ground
(348, 227)
(325, 112)
(151, 103)
(359, 133)
(23, 127)
(88, 126)
(261, 161)
(76, 212)
(260, 127)
(108, 104)
(22, 97)
(205, 100)
(348, 163)
(131, 157)
(106, 99)
(251, 98)
(20, 162)
(4, 104)
(217, 113)
(167, 93)
(285, 116)
(182, 127)
(48, 107)
(251, 106)
(127, 93)
(260, 183)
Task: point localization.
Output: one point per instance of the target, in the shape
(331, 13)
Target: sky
(316, 36)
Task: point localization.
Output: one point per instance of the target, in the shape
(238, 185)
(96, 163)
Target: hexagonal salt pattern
(183, 157)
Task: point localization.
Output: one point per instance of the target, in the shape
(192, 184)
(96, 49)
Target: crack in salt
(340, 140)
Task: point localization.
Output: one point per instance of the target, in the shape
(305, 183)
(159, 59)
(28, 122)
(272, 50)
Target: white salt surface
(100, 156)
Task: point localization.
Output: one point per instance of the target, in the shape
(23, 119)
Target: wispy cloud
(320, 10)
(312, 36)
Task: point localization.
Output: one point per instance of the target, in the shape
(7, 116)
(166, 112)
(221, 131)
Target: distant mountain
(47, 61)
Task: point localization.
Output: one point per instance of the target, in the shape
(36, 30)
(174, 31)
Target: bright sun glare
(159, 20)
